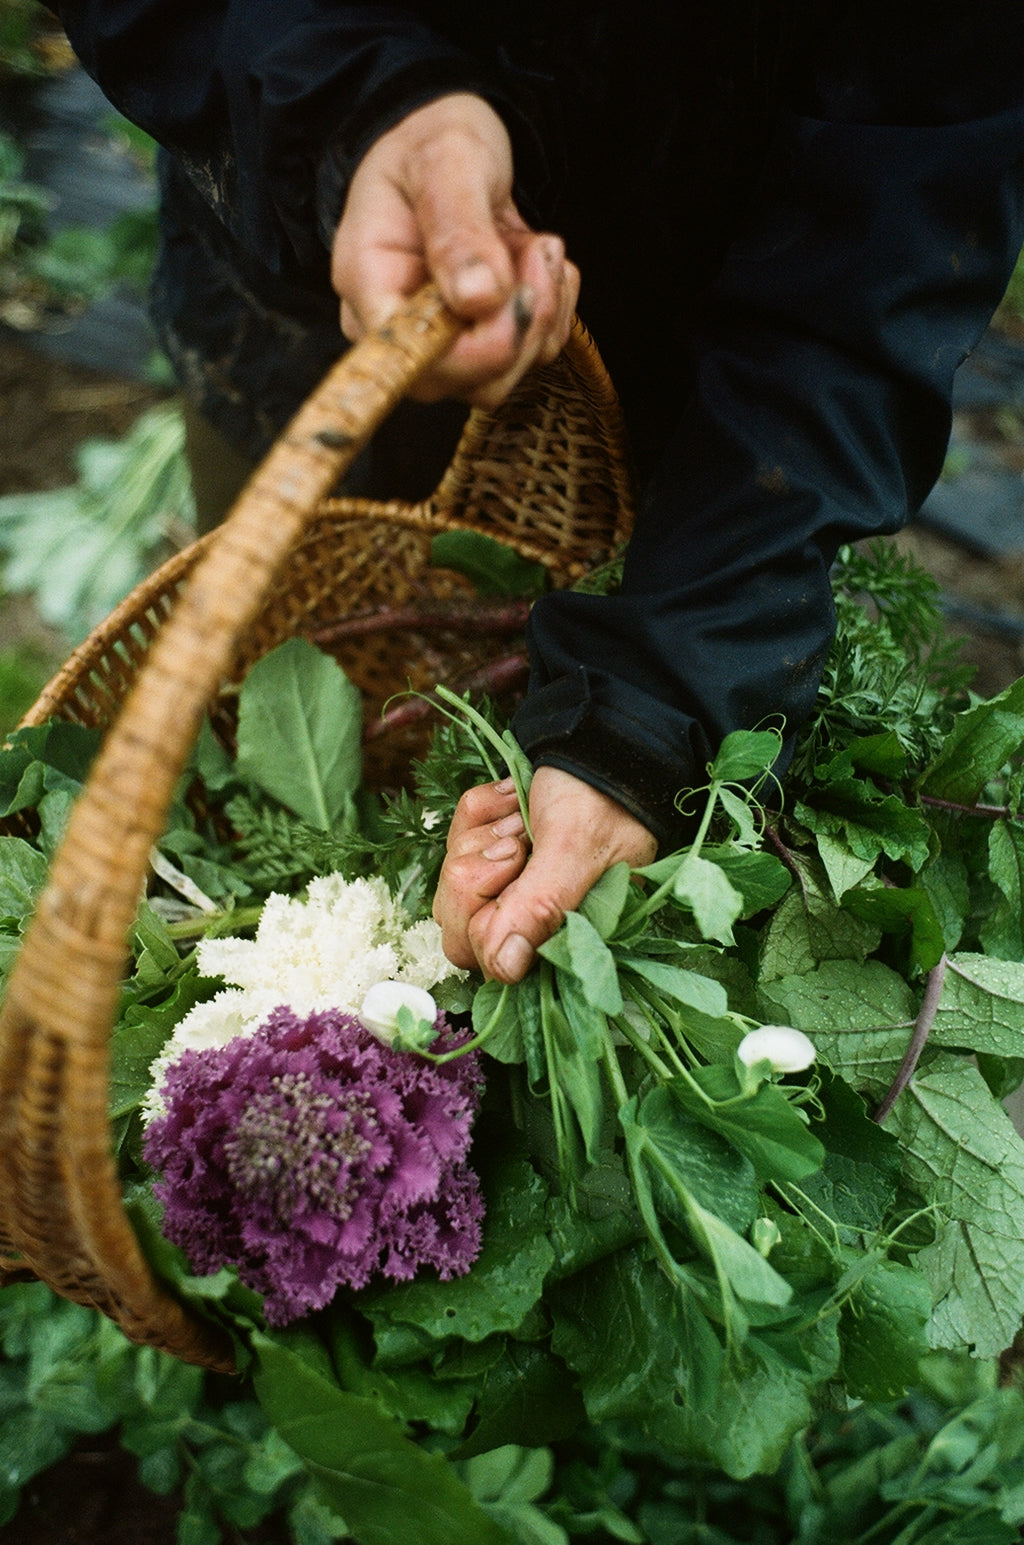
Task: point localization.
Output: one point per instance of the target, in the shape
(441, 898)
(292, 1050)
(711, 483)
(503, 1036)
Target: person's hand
(432, 199)
(497, 899)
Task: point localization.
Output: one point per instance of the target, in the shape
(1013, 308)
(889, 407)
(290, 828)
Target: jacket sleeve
(268, 104)
(823, 361)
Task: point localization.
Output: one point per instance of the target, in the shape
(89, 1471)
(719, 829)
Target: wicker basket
(547, 474)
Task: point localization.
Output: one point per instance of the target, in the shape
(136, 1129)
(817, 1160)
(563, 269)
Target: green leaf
(528, 1396)
(141, 1036)
(47, 757)
(904, 912)
(575, 1034)
(300, 731)
(715, 903)
(947, 883)
(962, 1152)
(600, 1217)
(883, 1331)
(1002, 932)
(389, 1490)
(505, 1041)
(762, 1399)
(510, 1472)
(745, 754)
(506, 1280)
(23, 873)
(745, 1270)
(808, 927)
(707, 1167)
(760, 878)
(578, 948)
(843, 867)
(508, 1481)
(637, 1341)
(861, 1169)
(688, 988)
(407, 1394)
(982, 740)
(602, 905)
(493, 567)
(157, 957)
(763, 1126)
(741, 1274)
(526, 996)
(982, 1006)
(870, 823)
(859, 1017)
(882, 754)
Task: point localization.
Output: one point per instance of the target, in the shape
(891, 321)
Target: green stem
(650, 1000)
(546, 971)
(642, 1047)
(615, 1078)
(709, 810)
(518, 763)
(478, 1040)
(654, 901)
(198, 927)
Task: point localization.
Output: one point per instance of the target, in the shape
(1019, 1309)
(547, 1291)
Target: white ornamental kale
(321, 952)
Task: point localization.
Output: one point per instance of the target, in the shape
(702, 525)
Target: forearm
(823, 358)
(266, 105)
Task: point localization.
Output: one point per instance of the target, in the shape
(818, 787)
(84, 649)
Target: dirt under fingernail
(522, 309)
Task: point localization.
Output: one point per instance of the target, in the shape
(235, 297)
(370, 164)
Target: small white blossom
(379, 1011)
(786, 1049)
(322, 952)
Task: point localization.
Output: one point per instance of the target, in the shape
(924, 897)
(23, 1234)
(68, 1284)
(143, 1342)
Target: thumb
(467, 253)
(578, 833)
(507, 934)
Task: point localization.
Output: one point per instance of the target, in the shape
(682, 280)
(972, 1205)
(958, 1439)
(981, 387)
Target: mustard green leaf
(981, 741)
(300, 732)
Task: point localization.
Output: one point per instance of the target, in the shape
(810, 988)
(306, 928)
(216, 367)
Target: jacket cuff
(562, 725)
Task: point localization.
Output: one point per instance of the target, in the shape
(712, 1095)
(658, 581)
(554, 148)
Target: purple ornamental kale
(310, 1156)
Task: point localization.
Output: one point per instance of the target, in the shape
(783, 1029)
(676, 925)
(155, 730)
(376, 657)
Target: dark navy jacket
(793, 221)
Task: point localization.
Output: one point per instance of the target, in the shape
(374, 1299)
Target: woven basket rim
(58, 1177)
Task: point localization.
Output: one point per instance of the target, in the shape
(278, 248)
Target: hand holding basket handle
(546, 474)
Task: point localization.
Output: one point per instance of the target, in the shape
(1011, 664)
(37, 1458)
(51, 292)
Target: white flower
(322, 952)
(786, 1049)
(379, 1011)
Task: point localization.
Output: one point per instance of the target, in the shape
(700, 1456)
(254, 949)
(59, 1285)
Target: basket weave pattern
(546, 474)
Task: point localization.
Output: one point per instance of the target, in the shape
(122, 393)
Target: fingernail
(473, 281)
(508, 847)
(515, 957)
(506, 786)
(509, 825)
(523, 302)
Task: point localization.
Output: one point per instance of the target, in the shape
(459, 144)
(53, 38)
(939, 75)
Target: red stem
(504, 674)
(458, 615)
(990, 812)
(922, 1029)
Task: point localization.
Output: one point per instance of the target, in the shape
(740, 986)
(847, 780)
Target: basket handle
(60, 1197)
